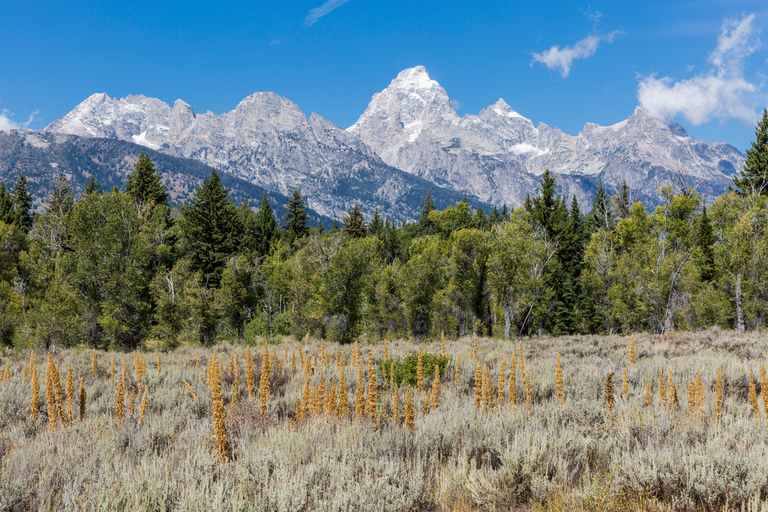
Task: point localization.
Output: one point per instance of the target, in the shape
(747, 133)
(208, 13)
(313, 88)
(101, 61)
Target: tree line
(119, 268)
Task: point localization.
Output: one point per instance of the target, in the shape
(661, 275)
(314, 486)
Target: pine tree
(295, 218)
(7, 213)
(425, 225)
(549, 210)
(22, 202)
(622, 201)
(706, 242)
(145, 183)
(266, 227)
(92, 186)
(211, 228)
(354, 223)
(376, 227)
(754, 176)
(480, 220)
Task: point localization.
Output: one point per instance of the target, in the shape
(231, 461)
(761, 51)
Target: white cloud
(6, 123)
(721, 93)
(562, 59)
(318, 12)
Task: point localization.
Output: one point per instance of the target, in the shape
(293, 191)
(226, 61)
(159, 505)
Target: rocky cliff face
(408, 141)
(499, 154)
(266, 140)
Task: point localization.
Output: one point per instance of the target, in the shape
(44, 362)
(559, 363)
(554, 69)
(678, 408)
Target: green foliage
(354, 223)
(754, 176)
(22, 202)
(295, 218)
(211, 229)
(406, 369)
(145, 184)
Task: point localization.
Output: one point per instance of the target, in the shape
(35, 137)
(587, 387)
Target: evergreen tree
(623, 202)
(601, 215)
(145, 183)
(706, 242)
(376, 227)
(528, 203)
(549, 210)
(22, 202)
(7, 213)
(354, 223)
(425, 224)
(505, 213)
(295, 218)
(754, 177)
(247, 220)
(92, 186)
(266, 227)
(495, 217)
(211, 229)
(480, 219)
(320, 227)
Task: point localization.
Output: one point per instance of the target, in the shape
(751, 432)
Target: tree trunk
(739, 304)
(668, 324)
(507, 321)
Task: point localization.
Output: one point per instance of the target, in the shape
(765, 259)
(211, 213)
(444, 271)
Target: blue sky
(561, 63)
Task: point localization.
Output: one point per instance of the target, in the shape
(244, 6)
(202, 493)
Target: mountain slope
(499, 154)
(42, 156)
(267, 140)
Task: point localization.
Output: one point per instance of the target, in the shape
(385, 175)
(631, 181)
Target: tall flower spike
(35, 387)
(502, 375)
(559, 381)
(632, 350)
(609, 392)
(409, 412)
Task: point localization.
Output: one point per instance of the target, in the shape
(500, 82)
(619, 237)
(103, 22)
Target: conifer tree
(211, 228)
(754, 176)
(7, 213)
(61, 201)
(376, 227)
(354, 223)
(92, 186)
(145, 183)
(295, 218)
(549, 210)
(425, 225)
(22, 202)
(623, 202)
(266, 227)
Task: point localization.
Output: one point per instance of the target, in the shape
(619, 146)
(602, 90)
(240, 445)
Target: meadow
(686, 430)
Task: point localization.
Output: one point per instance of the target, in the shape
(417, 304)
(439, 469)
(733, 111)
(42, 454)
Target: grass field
(532, 455)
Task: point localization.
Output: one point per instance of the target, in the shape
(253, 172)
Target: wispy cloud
(318, 12)
(562, 59)
(6, 123)
(721, 93)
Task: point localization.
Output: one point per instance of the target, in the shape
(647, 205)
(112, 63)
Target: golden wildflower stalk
(93, 363)
(528, 392)
(359, 395)
(120, 401)
(83, 397)
(559, 381)
(391, 374)
(442, 343)
(436, 388)
(112, 367)
(264, 382)
(632, 350)
(478, 386)
(764, 391)
(692, 396)
(343, 397)
(132, 401)
(190, 389)
(513, 384)
(223, 449)
(474, 349)
(49, 394)
(662, 389)
(70, 396)
(395, 406)
(609, 392)
(626, 385)
(143, 406)
(648, 401)
(35, 387)
(299, 411)
(59, 393)
(159, 365)
(249, 373)
(457, 371)
(502, 374)
(420, 372)
(409, 412)
(386, 352)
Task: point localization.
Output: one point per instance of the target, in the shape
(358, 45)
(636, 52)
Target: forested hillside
(118, 268)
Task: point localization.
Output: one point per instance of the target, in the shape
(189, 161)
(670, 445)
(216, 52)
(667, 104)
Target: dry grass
(537, 455)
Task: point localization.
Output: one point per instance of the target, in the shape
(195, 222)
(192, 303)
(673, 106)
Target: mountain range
(409, 141)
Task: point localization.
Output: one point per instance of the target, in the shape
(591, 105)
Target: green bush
(405, 370)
